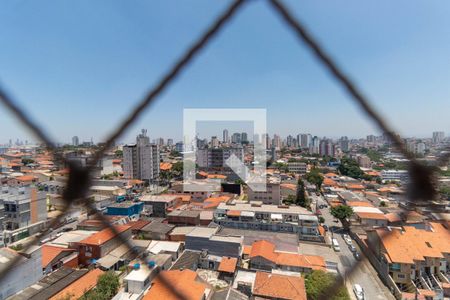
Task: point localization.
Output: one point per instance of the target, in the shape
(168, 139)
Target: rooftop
(105, 235)
(265, 208)
(279, 286)
(181, 285)
(411, 244)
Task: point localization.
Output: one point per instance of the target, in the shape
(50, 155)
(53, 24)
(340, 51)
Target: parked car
(352, 248)
(357, 255)
(359, 291)
(66, 229)
(325, 227)
(347, 239)
(335, 244)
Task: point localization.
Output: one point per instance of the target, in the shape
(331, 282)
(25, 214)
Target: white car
(347, 239)
(359, 291)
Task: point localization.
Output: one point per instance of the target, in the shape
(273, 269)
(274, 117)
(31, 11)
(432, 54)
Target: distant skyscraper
(326, 147)
(75, 141)
(170, 142)
(304, 140)
(371, 138)
(267, 141)
(236, 138)
(225, 138)
(438, 137)
(179, 147)
(314, 146)
(244, 138)
(141, 160)
(344, 144)
(289, 141)
(276, 141)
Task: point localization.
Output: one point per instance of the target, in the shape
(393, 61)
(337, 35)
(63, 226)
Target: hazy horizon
(81, 78)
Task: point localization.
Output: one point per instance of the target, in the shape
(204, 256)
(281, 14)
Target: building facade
(291, 219)
(141, 160)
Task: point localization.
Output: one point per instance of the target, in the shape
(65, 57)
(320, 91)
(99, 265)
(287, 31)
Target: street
(364, 274)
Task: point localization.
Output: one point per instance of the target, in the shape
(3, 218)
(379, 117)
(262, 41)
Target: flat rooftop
(265, 208)
(158, 198)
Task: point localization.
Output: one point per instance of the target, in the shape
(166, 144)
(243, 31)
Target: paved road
(364, 274)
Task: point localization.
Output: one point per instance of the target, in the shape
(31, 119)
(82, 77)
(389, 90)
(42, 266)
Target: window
(401, 276)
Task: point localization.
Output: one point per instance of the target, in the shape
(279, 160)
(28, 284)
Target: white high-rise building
(314, 147)
(75, 141)
(438, 137)
(141, 160)
(226, 138)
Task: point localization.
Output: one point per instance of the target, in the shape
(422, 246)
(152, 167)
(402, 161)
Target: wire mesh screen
(421, 188)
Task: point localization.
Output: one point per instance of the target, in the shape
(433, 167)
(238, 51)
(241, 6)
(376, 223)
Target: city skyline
(398, 63)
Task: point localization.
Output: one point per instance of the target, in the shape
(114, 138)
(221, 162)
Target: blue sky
(78, 66)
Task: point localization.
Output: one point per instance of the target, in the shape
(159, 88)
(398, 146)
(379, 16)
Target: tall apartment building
(314, 146)
(226, 138)
(326, 147)
(214, 142)
(216, 157)
(344, 143)
(244, 137)
(276, 142)
(236, 138)
(141, 160)
(438, 137)
(75, 141)
(304, 140)
(364, 161)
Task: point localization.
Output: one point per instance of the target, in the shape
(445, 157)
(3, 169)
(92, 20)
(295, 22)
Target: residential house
(177, 285)
(101, 243)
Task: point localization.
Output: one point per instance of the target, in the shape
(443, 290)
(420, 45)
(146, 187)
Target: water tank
(136, 266)
(151, 264)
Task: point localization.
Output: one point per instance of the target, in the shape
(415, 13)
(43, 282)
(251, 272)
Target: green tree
(107, 287)
(315, 177)
(383, 204)
(301, 198)
(175, 153)
(445, 191)
(290, 199)
(27, 161)
(318, 282)
(349, 167)
(342, 212)
(119, 153)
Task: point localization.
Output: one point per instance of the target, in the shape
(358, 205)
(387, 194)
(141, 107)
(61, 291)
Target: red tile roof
(176, 285)
(227, 264)
(49, 253)
(104, 235)
(264, 249)
(269, 285)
